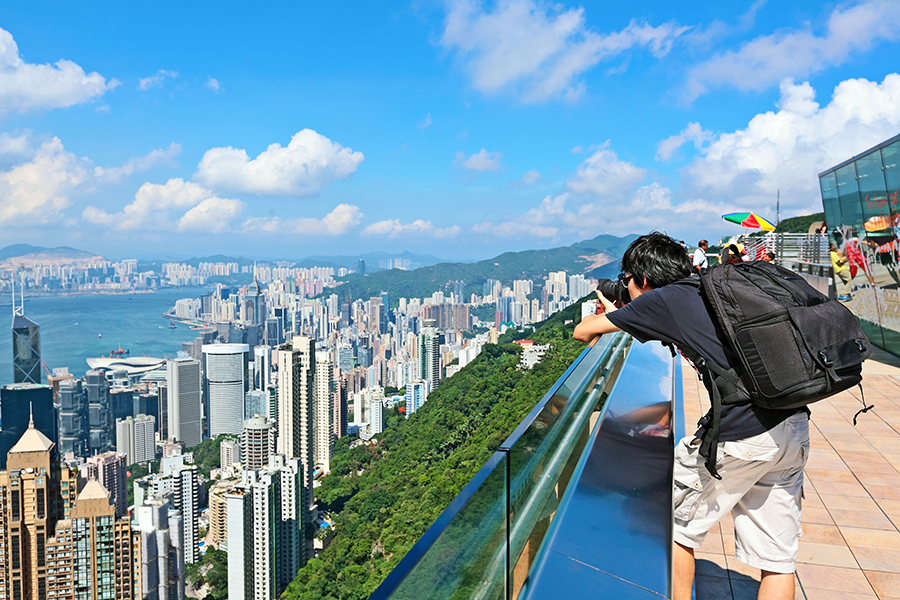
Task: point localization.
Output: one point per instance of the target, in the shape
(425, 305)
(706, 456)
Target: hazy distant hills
(372, 260)
(26, 255)
(597, 257)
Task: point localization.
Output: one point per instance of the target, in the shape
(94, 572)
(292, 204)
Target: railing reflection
(496, 537)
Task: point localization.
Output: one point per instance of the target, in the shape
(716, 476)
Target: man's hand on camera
(604, 301)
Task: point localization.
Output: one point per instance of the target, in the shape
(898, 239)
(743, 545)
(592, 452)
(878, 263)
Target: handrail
(488, 543)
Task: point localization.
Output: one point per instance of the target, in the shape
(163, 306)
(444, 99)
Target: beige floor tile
(816, 533)
(887, 585)
(820, 476)
(820, 594)
(878, 559)
(871, 538)
(884, 492)
(817, 515)
(712, 544)
(826, 554)
(861, 518)
(837, 488)
(832, 578)
(838, 501)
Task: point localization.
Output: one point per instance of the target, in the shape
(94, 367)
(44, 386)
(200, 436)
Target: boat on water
(99, 335)
(172, 325)
(118, 352)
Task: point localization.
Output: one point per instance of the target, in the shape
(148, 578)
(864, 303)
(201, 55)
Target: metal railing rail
(484, 543)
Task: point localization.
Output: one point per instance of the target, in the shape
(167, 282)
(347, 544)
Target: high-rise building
(265, 544)
(323, 414)
(255, 304)
(430, 355)
(376, 414)
(73, 418)
(218, 512)
(340, 406)
(135, 438)
(26, 344)
(59, 375)
(162, 401)
(100, 423)
(18, 401)
(227, 381)
(257, 403)
(184, 481)
(109, 469)
(262, 367)
(183, 391)
(229, 454)
(159, 572)
(56, 545)
(257, 443)
(416, 395)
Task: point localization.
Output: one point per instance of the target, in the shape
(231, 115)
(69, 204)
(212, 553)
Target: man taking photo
(761, 453)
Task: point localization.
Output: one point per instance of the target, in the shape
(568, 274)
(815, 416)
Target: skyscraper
(72, 418)
(18, 402)
(183, 391)
(255, 304)
(26, 344)
(227, 381)
(182, 478)
(257, 443)
(430, 355)
(109, 469)
(262, 367)
(323, 414)
(135, 438)
(160, 570)
(56, 545)
(100, 423)
(416, 395)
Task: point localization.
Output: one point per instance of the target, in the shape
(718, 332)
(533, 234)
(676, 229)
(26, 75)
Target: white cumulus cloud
(40, 189)
(157, 79)
(530, 177)
(301, 169)
(692, 133)
(480, 161)
(25, 86)
(769, 59)
(154, 203)
(340, 220)
(141, 163)
(539, 50)
(604, 174)
(786, 149)
(419, 228)
(214, 84)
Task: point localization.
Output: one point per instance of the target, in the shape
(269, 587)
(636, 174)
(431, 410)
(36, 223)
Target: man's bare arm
(593, 326)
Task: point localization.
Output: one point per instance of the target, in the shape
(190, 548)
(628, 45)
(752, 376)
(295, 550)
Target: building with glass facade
(860, 197)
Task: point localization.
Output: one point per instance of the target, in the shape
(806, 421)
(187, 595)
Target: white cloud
(786, 149)
(539, 50)
(214, 85)
(424, 122)
(157, 79)
(25, 87)
(212, 214)
(302, 169)
(480, 161)
(18, 145)
(141, 163)
(40, 189)
(603, 174)
(342, 219)
(767, 60)
(692, 133)
(153, 204)
(530, 177)
(419, 228)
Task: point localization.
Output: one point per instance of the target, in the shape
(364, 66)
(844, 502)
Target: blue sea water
(75, 328)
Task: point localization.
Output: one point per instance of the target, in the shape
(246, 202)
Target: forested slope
(386, 494)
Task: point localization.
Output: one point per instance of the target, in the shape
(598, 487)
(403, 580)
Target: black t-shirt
(676, 314)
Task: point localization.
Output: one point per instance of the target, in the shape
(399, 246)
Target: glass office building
(860, 197)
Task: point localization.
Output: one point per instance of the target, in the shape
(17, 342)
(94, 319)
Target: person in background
(732, 254)
(770, 257)
(700, 261)
(842, 272)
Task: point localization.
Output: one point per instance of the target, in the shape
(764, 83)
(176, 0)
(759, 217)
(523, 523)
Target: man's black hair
(657, 258)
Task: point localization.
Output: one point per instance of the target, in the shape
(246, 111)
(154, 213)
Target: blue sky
(458, 128)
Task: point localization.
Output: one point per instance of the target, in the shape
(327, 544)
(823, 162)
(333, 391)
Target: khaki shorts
(761, 486)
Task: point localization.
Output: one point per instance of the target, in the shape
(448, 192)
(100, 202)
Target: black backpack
(795, 345)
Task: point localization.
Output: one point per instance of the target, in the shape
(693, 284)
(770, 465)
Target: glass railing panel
(545, 447)
(463, 555)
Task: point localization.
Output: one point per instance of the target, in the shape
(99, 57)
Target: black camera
(615, 290)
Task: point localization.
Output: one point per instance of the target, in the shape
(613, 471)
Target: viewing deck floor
(851, 514)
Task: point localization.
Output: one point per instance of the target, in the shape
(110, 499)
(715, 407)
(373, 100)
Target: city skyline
(452, 128)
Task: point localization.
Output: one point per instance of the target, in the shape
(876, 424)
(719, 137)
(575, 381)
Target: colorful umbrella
(749, 219)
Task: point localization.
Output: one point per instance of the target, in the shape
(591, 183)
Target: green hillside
(799, 224)
(531, 264)
(416, 467)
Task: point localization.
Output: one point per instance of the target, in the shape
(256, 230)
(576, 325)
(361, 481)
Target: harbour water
(75, 328)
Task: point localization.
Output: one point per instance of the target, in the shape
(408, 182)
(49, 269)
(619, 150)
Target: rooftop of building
(32, 441)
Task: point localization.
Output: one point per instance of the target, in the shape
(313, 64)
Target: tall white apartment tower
(376, 413)
(262, 367)
(430, 355)
(227, 380)
(185, 484)
(296, 382)
(135, 439)
(183, 388)
(323, 414)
